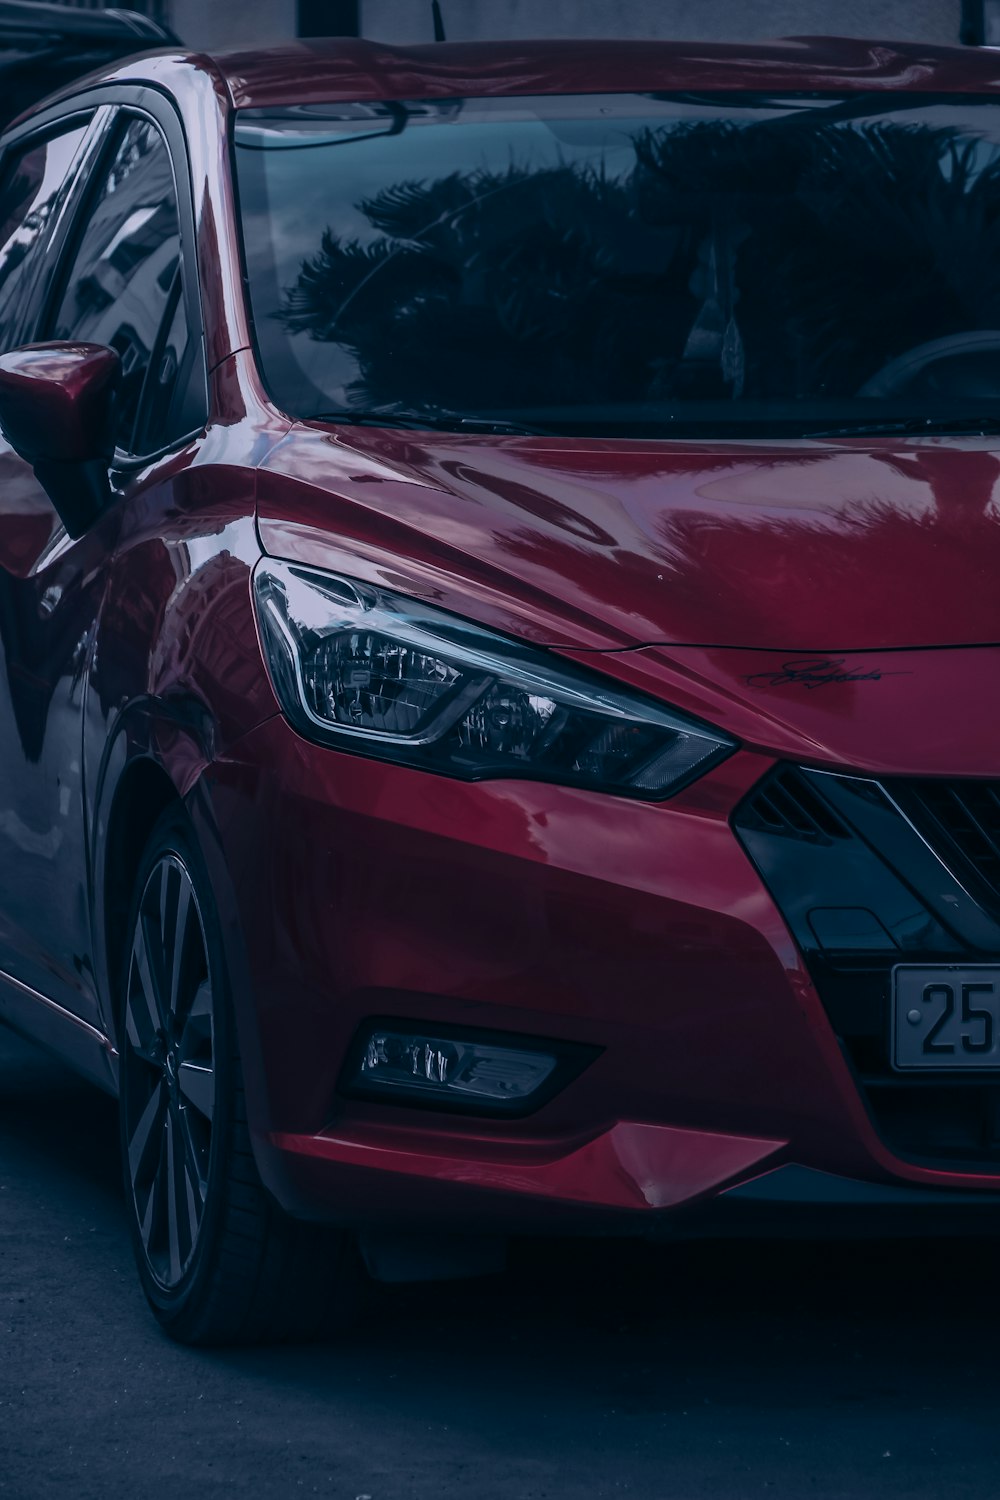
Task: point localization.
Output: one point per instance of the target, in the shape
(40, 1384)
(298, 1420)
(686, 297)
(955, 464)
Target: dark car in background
(499, 713)
(43, 47)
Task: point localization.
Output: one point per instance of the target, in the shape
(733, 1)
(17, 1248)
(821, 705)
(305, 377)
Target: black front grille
(961, 822)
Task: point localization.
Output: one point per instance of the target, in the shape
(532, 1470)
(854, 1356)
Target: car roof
(310, 72)
(346, 68)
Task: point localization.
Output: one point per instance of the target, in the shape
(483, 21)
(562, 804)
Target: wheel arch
(154, 762)
(142, 795)
(150, 761)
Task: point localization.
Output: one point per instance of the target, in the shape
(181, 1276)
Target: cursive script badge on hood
(817, 672)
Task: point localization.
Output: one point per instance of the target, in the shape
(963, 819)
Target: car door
(117, 282)
(39, 642)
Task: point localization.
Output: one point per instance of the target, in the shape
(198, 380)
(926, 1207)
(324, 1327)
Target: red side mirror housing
(57, 412)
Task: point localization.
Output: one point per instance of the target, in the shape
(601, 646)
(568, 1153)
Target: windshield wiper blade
(933, 426)
(499, 425)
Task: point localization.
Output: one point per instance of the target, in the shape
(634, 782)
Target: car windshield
(630, 263)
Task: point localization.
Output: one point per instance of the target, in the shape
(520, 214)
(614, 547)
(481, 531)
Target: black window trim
(144, 102)
(174, 293)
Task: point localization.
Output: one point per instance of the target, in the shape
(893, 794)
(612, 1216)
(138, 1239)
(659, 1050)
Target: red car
(500, 721)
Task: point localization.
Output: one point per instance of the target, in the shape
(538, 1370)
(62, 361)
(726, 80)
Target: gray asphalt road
(795, 1371)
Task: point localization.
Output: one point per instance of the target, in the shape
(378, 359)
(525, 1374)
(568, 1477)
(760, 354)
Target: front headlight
(386, 676)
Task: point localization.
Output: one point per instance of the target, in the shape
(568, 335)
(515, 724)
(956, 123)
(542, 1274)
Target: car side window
(124, 288)
(32, 184)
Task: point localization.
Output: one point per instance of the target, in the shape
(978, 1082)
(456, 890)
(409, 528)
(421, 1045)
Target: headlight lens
(387, 676)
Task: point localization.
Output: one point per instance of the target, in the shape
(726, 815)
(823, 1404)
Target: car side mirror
(57, 412)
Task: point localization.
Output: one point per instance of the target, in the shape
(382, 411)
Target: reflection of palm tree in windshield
(780, 261)
(500, 288)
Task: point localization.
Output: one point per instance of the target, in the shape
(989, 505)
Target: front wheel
(219, 1261)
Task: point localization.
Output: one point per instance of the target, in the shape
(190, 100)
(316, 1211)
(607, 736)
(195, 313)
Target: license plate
(946, 1017)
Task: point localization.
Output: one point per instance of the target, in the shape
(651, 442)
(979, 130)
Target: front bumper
(357, 889)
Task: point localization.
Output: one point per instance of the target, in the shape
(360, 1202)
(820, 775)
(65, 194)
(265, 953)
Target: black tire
(219, 1261)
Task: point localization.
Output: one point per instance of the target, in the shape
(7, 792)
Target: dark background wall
(218, 23)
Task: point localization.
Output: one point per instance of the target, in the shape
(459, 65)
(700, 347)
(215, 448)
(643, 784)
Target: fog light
(446, 1068)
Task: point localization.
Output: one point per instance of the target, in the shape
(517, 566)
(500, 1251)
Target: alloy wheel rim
(168, 1071)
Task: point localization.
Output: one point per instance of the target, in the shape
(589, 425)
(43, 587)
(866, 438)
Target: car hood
(817, 547)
